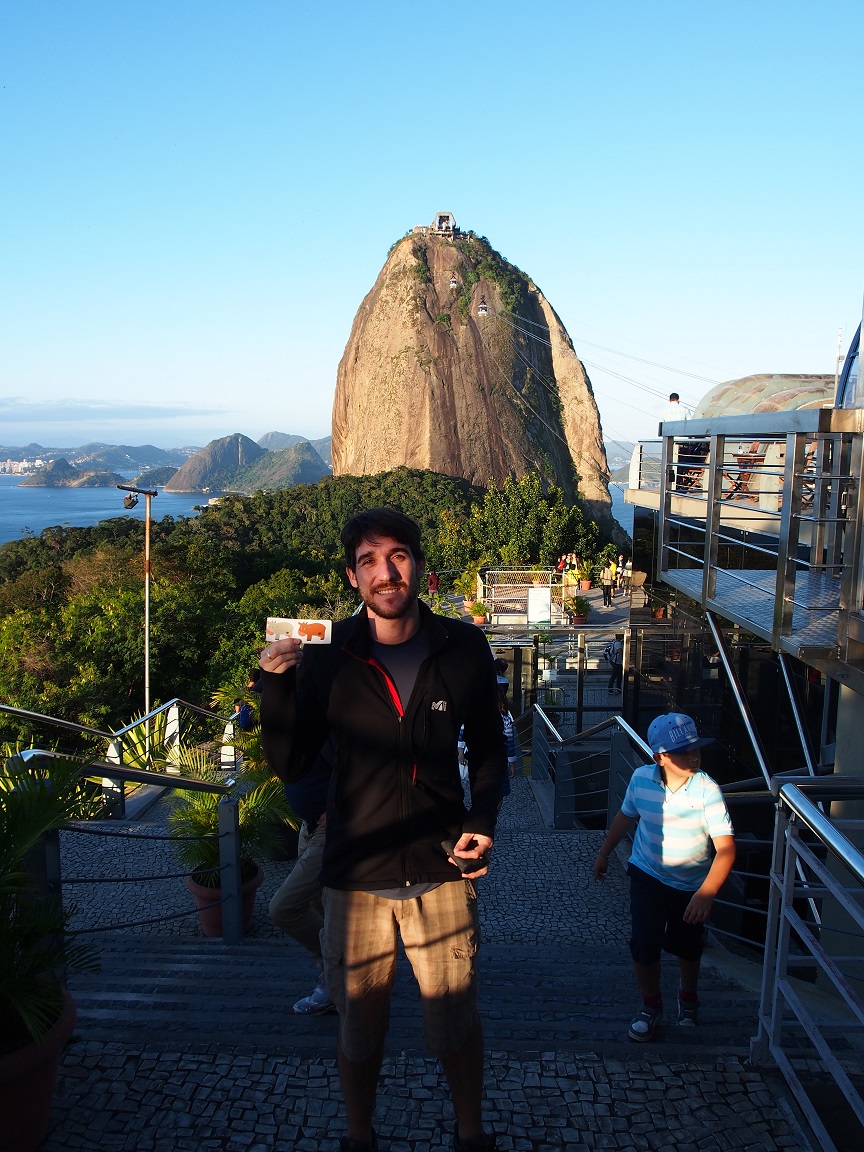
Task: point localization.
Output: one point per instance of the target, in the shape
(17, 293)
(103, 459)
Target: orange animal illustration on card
(309, 631)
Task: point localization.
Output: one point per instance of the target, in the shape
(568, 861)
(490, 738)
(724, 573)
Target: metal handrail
(119, 773)
(792, 858)
(196, 708)
(68, 725)
(595, 729)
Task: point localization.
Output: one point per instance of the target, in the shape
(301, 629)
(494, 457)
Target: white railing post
(113, 791)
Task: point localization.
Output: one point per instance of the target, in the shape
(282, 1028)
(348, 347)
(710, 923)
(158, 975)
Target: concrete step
(552, 999)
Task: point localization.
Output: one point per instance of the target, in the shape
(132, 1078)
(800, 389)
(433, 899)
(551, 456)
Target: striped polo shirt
(675, 829)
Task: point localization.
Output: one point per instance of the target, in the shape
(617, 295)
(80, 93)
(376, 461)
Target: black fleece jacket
(395, 792)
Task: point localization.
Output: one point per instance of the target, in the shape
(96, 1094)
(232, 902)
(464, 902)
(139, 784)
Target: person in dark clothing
(390, 694)
(296, 905)
(616, 660)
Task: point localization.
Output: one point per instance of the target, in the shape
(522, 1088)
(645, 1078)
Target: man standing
(607, 579)
(615, 656)
(388, 697)
(674, 410)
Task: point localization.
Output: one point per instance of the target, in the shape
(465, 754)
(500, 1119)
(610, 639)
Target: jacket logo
(439, 705)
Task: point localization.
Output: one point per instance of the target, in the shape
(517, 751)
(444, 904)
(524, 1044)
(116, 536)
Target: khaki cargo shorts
(440, 933)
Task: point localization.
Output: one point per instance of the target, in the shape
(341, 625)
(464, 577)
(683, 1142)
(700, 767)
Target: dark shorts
(656, 912)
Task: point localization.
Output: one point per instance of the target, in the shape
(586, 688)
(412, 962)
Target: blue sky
(197, 195)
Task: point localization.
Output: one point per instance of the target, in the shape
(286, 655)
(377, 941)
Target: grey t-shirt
(402, 664)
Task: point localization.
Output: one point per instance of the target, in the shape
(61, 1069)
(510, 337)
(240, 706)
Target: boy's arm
(619, 828)
(699, 908)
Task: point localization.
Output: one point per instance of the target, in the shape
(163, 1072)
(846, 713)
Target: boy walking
(679, 814)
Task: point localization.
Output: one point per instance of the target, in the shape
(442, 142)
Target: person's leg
(464, 1071)
(440, 932)
(648, 979)
(358, 1080)
(359, 944)
(647, 915)
(296, 904)
(689, 974)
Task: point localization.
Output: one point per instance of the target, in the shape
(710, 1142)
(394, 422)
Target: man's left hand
(471, 846)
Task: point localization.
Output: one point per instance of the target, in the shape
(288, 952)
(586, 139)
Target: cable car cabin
(454, 283)
(482, 307)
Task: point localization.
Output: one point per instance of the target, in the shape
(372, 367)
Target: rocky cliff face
(428, 381)
(216, 465)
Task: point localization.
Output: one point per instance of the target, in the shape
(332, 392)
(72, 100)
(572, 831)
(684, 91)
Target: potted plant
(466, 585)
(657, 607)
(37, 1015)
(478, 612)
(585, 574)
(577, 608)
(261, 803)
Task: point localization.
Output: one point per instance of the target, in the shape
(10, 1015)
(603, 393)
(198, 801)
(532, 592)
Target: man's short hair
(674, 396)
(377, 522)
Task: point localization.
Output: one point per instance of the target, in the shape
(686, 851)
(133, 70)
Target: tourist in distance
(679, 814)
(390, 694)
(673, 410)
(614, 653)
(296, 905)
(607, 579)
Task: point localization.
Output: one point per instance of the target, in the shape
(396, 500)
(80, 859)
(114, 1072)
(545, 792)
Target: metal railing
(48, 866)
(584, 778)
(120, 743)
(815, 861)
(761, 521)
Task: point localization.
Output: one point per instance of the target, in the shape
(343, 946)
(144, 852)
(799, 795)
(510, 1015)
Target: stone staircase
(160, 991)
(555, 967)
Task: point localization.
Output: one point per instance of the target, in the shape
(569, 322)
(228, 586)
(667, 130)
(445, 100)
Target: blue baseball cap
(675, 732)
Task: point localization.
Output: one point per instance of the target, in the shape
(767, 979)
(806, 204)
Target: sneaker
(346, 1145)
(643, 1025)
(316, 1003)
(483, 1143)
(688, 1013)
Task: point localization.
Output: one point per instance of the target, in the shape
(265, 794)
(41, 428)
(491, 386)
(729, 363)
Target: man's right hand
(280, 655)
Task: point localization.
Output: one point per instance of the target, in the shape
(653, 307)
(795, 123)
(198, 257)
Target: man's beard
(393, 607)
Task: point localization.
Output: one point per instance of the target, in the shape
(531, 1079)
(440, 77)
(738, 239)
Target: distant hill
(324, 449)
(155, 477)
(238, 464)
(127, 457)
(61, 474)
(299, 464)
(274, 441)
(217, 464)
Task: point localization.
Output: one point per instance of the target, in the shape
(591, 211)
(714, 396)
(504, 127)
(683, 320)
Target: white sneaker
(316, 1003)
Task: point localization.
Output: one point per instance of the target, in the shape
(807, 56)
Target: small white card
(309, 631)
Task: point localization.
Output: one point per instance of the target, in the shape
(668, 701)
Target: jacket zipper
(400, 715)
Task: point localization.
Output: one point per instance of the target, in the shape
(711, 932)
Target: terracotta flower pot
(585, 585)
(27, 1080)
(211, 918)
(578, 619)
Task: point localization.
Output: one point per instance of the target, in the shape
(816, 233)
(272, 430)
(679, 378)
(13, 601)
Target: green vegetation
(483, 262)
(421, 268)
(71, 599)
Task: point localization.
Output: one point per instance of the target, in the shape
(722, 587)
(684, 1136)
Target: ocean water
(26, 510)
(622, 511)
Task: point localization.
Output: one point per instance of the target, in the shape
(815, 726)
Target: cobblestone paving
(179, 1096)
(112, 1097)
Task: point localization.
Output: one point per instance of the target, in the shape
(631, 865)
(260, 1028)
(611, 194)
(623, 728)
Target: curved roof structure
(766, 392)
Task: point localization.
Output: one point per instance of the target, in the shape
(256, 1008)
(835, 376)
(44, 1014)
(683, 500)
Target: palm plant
(262, 807)
(33, 950)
